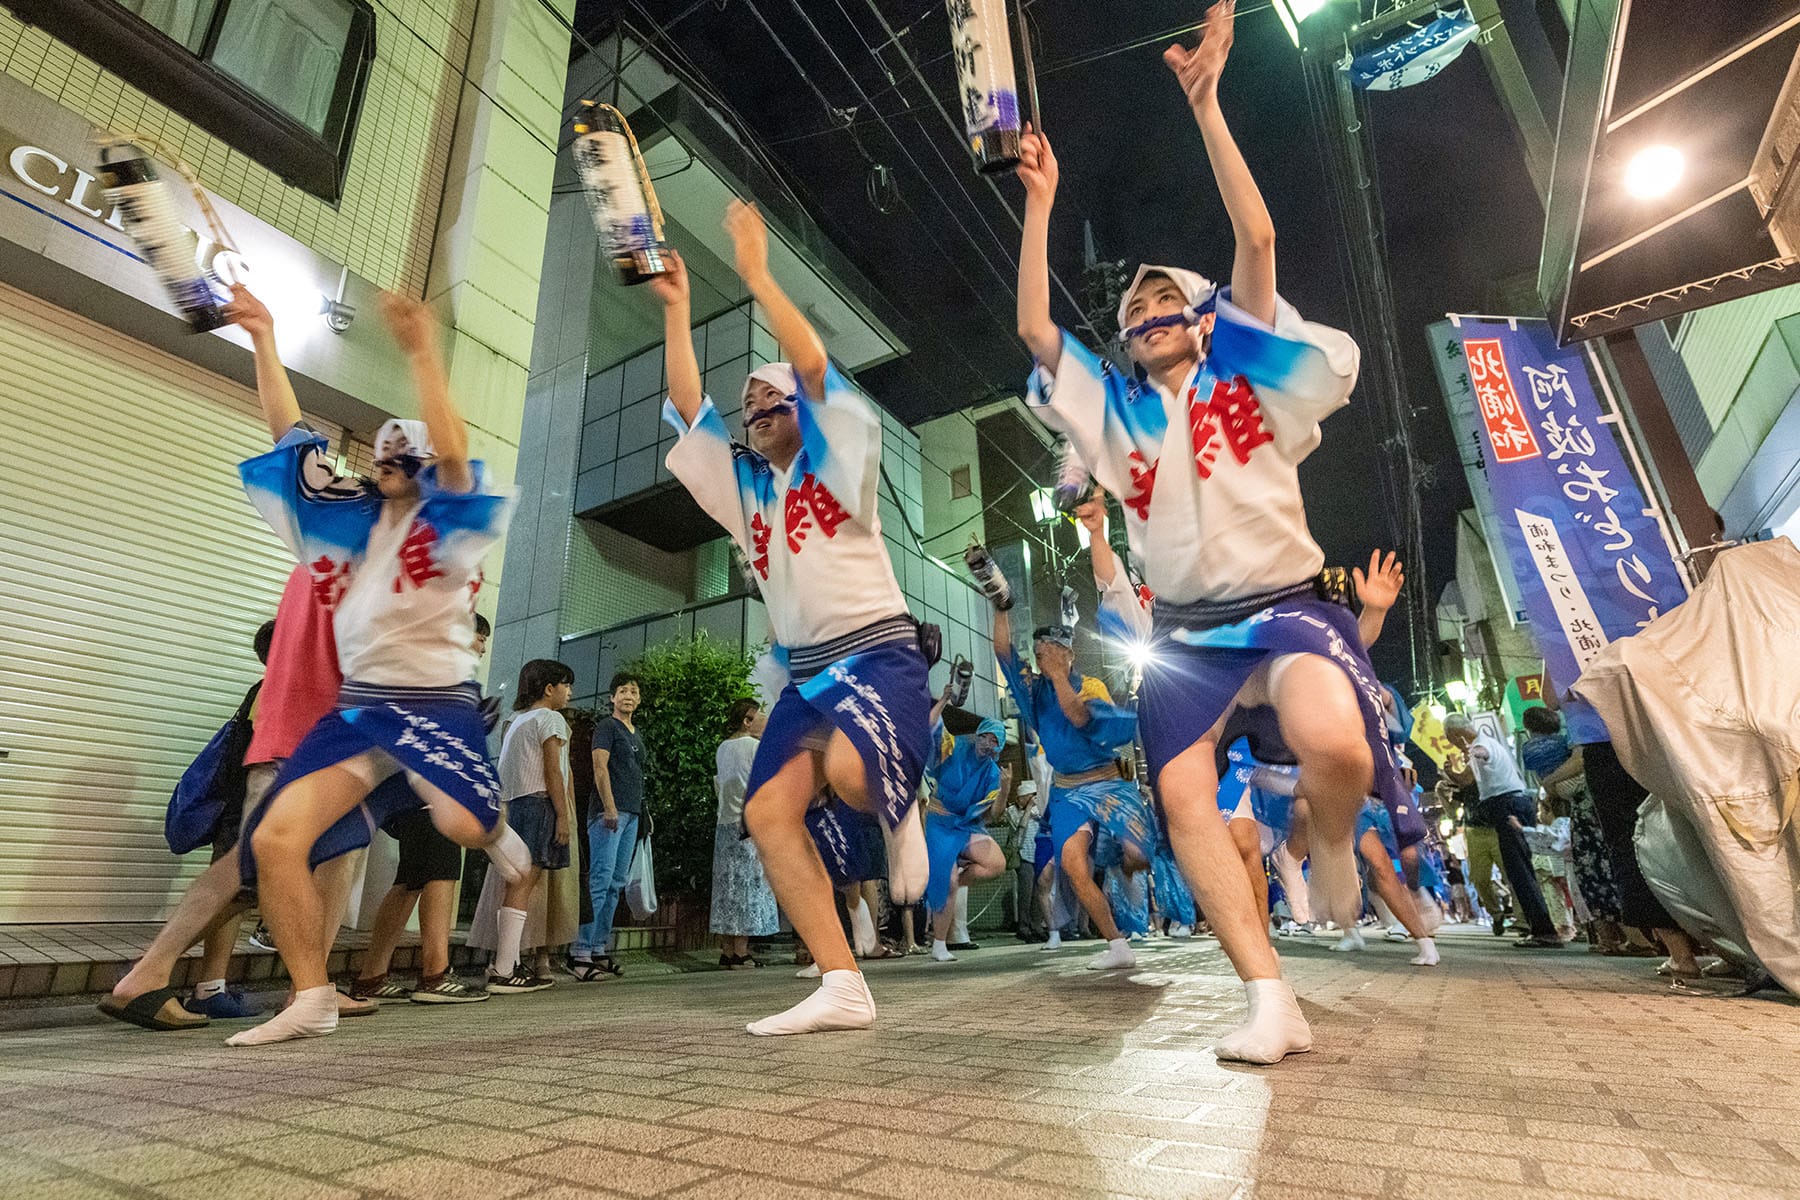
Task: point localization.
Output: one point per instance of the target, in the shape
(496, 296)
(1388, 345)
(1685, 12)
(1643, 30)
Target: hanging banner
(1587, 551)
(1414, 58)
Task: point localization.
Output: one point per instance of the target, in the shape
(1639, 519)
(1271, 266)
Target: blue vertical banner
(1587, 550)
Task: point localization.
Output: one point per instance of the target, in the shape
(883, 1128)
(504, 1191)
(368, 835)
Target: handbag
(640, 881)
(213, 780)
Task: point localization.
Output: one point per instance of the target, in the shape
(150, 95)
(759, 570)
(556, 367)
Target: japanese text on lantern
(1509, 434)
(965, 23)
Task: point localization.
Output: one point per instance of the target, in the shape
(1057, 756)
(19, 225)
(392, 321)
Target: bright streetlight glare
(1654, 171)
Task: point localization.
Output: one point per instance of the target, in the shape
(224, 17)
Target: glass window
(288, 51)
(279, 80)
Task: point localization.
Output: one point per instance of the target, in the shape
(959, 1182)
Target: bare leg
(1247, 837)
(776, 817)
(1209, 860)
(213, 893)
(1322, 722)
(291, 902)
(390, 922)
(435, 905)
(1080, 872)
(1387, 885)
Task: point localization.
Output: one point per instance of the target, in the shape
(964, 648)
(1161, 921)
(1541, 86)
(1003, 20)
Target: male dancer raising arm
(1204, 451)
(800, 502)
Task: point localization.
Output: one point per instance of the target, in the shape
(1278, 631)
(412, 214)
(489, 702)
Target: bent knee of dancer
(1339, 767)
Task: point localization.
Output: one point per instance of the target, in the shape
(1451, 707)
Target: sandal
(159, 1009)
(605, 963)
(584, 972)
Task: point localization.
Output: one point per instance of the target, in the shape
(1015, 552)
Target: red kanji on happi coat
(811, 502)
(760, 530)
(330, 580)
(1232, 415)
(416, 566)
(1143, 483)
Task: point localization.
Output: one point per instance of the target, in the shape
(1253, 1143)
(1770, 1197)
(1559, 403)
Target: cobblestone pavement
(1010, 1074)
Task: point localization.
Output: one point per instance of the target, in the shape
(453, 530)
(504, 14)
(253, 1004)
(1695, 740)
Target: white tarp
(1704, 710)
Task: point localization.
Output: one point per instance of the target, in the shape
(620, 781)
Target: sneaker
(261, 938)
(518, 982)
(963, 946)
(228, 1005)
(445, 989)
(1181, 932)
(378, 988)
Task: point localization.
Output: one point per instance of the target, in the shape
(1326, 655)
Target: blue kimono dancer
(436, 735)
(966, 783)
(1113, 806)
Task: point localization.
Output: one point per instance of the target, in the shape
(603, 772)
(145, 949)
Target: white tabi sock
(809, 971)
(862, 927)
(909, 864)
(1274, 1029)
(1055, 940)
(1118, 955)
(1352, 940)
(1429, 912)
(1428, 955)
(509, 924)
(1335, 888)
(842, 1001)
(940, 951)
(959, 928)
(313, 1013)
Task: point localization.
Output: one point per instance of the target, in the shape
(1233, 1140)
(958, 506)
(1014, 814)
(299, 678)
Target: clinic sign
(66, 191)
(1587, 550)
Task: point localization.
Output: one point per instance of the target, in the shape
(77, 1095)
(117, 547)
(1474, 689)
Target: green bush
(688, 687)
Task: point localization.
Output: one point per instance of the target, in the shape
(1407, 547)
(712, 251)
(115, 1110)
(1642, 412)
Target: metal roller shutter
(133, 575)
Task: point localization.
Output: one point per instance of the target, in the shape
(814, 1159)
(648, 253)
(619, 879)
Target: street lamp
(1458, 691)
(1654, 171)
(1292, 12)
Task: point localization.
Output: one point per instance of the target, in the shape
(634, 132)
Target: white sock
(1055, 941)
(1352, 940)
(1335, 889)
(1429, 911)
(862, 927)
(1428, 955)
(509, 854)
(842, 1001)
(1274, 1029)
(1293, 882)
(940, 951)
(313, 1013)
(909, 863)
(1118, 954)
(209, 988)
(959, 929)
(809, 971)
(510, 922)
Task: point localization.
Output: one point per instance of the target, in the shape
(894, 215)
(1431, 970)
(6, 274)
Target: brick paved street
(1008, 1074)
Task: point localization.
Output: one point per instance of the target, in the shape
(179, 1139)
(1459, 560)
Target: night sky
(1461, 217)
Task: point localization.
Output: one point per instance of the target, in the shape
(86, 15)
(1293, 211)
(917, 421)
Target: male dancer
(800, 502)
(399, 564)
(1204, 452)
(1097, 817)
(971, 794)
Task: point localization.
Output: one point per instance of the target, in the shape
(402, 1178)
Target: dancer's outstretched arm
(273, 387)
(415, 328)
(1253, 267)
(672, 288)
(1037, 171)
(1378, 589)
(800, 342)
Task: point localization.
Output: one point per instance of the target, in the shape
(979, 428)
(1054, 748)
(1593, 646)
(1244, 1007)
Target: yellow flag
(1428, 734)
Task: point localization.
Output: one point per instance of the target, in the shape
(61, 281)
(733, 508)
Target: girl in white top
(742, 906)
(534, 776)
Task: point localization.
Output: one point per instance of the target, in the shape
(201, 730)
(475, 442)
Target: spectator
(1504, 806)
(534, 773)
(743, 907)
(618, 757)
